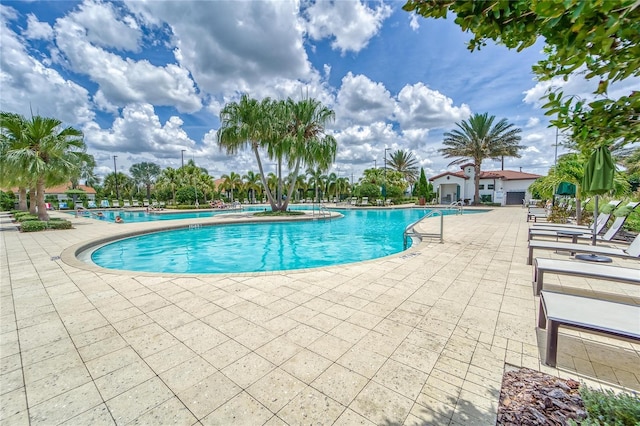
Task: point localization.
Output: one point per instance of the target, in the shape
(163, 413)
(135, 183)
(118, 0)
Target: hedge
(33, 226)
(59, 224)
(26, 217)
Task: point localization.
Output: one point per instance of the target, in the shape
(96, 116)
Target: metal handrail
(410, 227)
(458, 206)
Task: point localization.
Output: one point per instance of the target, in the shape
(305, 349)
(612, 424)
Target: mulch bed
(529, 397)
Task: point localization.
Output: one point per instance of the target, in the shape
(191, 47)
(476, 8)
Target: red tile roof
(492, 174)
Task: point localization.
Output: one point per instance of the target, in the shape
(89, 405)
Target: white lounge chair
(365, 201)
(601, 221)
(105, 204)
(126, 203)
(584, 313)
(354, 201)
(581, 269)
(91, 205)
(613, 230)
(631, 252)
(136, 203)
(115, 204)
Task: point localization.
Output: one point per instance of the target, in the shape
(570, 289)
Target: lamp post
(115, 175)
(195, 180)
(182, 155)
(385, 175)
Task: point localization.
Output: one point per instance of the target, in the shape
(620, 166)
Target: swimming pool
(142, 216)
(257, 247)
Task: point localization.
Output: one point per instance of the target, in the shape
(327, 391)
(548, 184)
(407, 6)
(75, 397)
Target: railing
(322, 211)
(458, 206)
(409, 230)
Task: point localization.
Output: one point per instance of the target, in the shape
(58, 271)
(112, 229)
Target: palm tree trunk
(22, 198)
(292, 185)
(476, 181)
(32, 201)
(42, 209)
(265, 187)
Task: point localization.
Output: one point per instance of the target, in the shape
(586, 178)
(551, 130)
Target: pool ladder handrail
(409, 230)
(457, 206)
(322, 211)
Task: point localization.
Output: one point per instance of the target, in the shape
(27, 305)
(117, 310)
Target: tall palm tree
(252, 184)
(405, 163)
(145, 174)
(316, 179)
(246, 124)
(330, 185)
(477, 139)
(44, 151)
(169, 178)
(342, 186)
(291, 132)
(309, 145)
(232, 181)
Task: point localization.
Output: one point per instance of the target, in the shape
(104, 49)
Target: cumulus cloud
(418, 106)
(532, 122)
(28, 85)
(106, 27)
(351, 24)
(139, 130)
(362, 101)
(37, 30)
(123, 80)
(233, 46)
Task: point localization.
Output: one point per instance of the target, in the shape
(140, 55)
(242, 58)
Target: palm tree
(405, 163)
(478, 139)
(331, 185)
(252, 184)
(246, 124)
(45, 152)
(145, 174)
(316, 179)
(291, 132)
(169, 178)
(232, 181)
(342, 186)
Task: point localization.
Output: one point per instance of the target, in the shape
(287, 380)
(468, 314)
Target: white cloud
(413, 22)
(124, 80)
(28, 85)
(105, 27)
(138, 131)
(418, 106)
(351, 23)
(532, 122)
(362, 101)
(37, 30)
(234, 46)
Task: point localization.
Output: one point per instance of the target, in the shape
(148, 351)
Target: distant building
(506, 187)
(59, 191)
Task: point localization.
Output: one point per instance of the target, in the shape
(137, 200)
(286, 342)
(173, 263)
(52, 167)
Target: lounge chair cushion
(582, 269)
(585, 313)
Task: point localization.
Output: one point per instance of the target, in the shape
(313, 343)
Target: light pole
(385, 176)
(182, 155)
(115, 176)
(195, 179)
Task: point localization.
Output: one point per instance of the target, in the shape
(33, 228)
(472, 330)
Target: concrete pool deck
(421, 337)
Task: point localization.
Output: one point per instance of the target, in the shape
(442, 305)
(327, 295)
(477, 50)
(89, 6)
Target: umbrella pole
(595, 221)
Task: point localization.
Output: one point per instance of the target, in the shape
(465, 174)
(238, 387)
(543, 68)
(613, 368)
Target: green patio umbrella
(598, 178)
(566, 188)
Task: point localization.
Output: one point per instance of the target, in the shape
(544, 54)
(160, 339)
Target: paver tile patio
(421, 337)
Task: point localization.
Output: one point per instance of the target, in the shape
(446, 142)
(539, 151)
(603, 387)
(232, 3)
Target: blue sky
(145, 80)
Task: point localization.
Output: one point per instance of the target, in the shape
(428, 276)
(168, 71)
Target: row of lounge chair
(558, 309)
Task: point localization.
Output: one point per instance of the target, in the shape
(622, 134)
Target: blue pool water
(360, 235)
(152, 216)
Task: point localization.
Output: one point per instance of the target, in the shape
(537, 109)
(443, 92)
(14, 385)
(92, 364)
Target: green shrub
(60, 224)
(33, 226)
(7, 200)
(607, 408)
(25, 217)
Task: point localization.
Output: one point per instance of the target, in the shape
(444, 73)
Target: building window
(490, 186)
(480, 186)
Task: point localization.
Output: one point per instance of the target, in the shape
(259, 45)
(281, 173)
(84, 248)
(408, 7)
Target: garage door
(514, 198)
